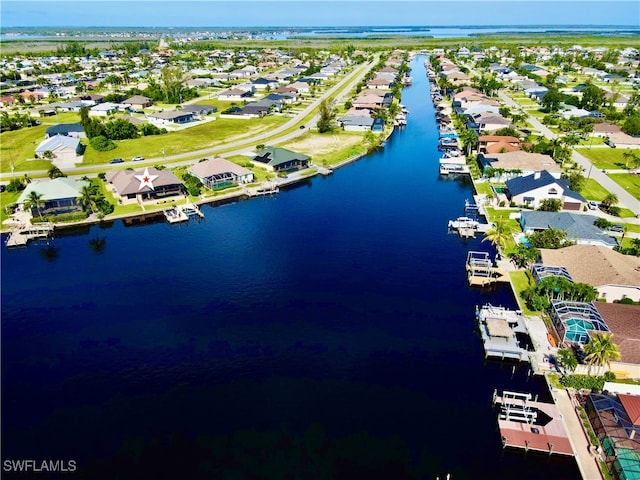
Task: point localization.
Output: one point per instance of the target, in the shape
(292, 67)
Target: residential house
(137, 102)
(218, 172)
(604, 129)
(380, 83)
(67, 129)
(199, 110)
(519, 162)
(580, 228)
(63, 151)
(498, 144)
(300, 87)
(174, 117)
(618, 100)
(355, 123)
(622, 140)
(616, 276)
(59, 195)
(126, 187)
(104, 109)
(280, 159)
(531, 190)
(235, 94)
(264, 84)
(487, 122)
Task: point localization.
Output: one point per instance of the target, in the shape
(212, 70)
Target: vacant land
(329, 148)
(606, 158)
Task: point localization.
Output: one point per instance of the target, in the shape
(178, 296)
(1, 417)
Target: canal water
(328, 330)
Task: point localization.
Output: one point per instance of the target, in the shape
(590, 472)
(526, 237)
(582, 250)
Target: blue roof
(63, 129)
(520, 185)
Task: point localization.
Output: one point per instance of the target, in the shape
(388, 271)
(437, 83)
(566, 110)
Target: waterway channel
(327, 329)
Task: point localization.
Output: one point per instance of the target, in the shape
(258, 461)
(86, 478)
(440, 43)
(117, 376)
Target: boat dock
(182, 213)
(531, 425)
(504, 333)
(267, 188)
(22, 235)
(481, 270)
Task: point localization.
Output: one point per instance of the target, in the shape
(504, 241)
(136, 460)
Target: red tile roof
(631, 404)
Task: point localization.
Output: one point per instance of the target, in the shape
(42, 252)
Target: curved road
(350, 81)
(625, 199)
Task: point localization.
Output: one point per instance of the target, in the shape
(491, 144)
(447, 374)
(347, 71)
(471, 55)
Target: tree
(524, 256)
(631, 125)
(550, 205)
(469, 139)
(549, 238)
(55, 172)
(34, 200)
(327, 113)
(567, 360)
(120, 129)
(592, 97)
(602, 223)
(551, 100)
(172, 79)
(610, 200)
(576, 180)
(498, 235)
(601, 350)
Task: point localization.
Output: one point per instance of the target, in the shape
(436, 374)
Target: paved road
(625, 199)
(244, 145)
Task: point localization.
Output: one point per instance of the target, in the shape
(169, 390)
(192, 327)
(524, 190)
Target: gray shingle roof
(578, 227)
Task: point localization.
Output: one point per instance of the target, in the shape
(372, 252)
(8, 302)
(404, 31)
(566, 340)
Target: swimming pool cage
(574, 320)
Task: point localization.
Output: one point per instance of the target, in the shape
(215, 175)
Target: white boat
(175, 215)
(463, 222)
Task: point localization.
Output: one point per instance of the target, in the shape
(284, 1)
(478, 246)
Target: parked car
(116, 160)
(617, 228)
(610, 143)
(592, 205)
(137, 158)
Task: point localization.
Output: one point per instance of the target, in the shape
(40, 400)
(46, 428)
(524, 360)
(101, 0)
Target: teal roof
(275, 156)
(53, 189)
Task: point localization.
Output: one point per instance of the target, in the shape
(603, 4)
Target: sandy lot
(317, 144)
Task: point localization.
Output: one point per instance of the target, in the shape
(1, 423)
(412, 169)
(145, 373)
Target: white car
(138, 158)
(592, 205)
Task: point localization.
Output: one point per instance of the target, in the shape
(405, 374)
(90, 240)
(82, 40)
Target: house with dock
(126, 187)
(218, 172)
(517, 163)
(59, 195)
(277, 159)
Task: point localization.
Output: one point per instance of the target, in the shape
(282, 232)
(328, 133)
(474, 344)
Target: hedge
(66, 217)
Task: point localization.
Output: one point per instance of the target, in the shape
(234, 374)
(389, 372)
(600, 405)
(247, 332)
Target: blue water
(328, 330)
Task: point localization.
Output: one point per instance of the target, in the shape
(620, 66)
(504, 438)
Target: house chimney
(536, 175)
(632, 435)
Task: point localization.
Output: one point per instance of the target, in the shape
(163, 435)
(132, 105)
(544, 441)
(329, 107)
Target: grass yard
(19, 146)
(631, 183)
(207, 135)
(592, 190)
(605, 158)
(7, 199)
(483, 188)
(328, 148)
(522, 280)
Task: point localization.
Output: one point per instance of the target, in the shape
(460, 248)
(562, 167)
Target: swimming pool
(577, 330)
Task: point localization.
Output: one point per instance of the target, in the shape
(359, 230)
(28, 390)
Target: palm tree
(35, 200)
(86, 198)
(55, 172)
(498, 235)
(601, 350)
(610, 200)
(567, 360)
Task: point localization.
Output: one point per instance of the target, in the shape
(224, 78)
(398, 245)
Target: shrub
(67, 217)
(580, 382)
(15, 185)
(102, 143)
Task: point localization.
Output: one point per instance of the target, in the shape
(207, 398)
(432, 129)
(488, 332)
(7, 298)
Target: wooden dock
(481, 270)
(22, 235)
(531, 425)
(499, 329)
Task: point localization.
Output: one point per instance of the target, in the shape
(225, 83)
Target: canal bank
(333, 319)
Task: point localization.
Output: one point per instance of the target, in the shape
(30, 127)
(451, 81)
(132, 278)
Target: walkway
(587, 462)
(625, 199)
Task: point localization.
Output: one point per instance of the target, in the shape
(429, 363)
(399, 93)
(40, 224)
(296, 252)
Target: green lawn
(631, 183)
(208, 135)
(605, 158)
(20, 145)
(522, 280)
(484, 188)
(7, 199)
(593, 190)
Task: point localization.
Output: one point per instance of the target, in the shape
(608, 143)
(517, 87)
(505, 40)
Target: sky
(300, 13)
